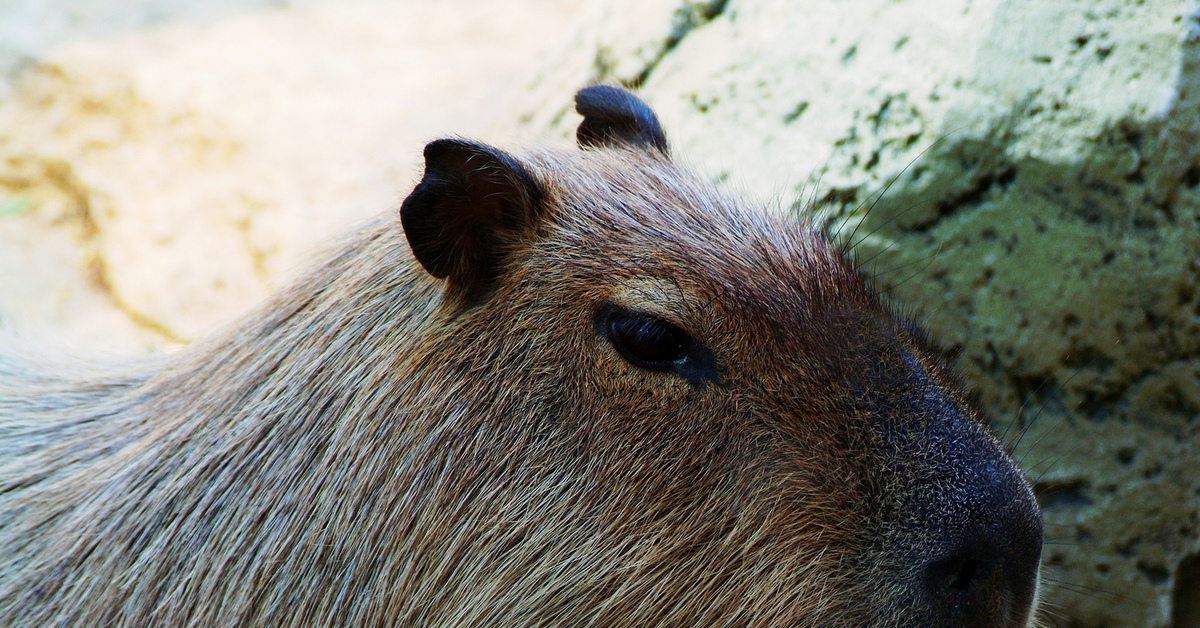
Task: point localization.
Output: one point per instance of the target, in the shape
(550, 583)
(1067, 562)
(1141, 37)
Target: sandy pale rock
(211, 153)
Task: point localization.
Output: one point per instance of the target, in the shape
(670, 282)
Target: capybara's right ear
(614, 116)
(473, 203)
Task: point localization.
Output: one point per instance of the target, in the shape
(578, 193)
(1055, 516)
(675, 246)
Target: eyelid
(653, 297)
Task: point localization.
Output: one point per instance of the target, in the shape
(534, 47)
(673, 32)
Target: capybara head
(748, 431)
(604, 393)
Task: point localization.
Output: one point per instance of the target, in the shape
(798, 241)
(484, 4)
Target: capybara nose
(985, 573)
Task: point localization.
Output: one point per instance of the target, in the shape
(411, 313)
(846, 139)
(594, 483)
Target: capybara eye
(647, 341)
(643, 339)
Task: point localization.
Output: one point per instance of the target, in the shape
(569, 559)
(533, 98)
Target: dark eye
(651, 343)
(645, 340)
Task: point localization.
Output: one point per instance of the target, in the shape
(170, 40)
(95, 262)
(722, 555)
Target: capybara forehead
(632, 217)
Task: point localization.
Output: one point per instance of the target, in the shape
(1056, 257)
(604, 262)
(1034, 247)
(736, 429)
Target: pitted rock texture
(1025, 177)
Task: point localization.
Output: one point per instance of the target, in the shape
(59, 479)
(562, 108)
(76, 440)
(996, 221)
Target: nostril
(965, 574)
(982, 578)
(956, 574)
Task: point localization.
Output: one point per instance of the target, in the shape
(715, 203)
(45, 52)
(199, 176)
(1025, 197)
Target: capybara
(561, 388)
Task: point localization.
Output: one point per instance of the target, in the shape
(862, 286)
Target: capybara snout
(576, 388)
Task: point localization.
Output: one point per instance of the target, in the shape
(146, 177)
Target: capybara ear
(613, 116)
(473, 203)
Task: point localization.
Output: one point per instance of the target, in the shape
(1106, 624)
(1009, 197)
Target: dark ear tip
(616, 116)
(440, 151)
(445, 143)
(593, 98)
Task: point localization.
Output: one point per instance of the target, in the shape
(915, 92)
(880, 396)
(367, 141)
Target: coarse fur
(376, 447)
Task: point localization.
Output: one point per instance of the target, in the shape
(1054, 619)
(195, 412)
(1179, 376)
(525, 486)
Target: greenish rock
(15, 206)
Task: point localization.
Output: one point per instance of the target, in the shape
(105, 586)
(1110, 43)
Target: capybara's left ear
(614, 116)
(473, 204)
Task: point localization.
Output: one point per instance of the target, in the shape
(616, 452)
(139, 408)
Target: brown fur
(365, 451)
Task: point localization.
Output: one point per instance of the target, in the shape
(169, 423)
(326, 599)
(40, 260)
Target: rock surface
(164, 166)
(1026, 177)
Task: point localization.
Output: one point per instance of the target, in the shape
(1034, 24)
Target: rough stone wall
(1023, 175)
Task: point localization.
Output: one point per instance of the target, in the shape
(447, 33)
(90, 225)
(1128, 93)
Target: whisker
(931, 257)
(885, 249)
(1021, 410)
(1037, 442)
(1035, 417)
(1056, 459)
(1083, 589)
(1063, 536)
(907, 264)
(1047, 612)
(1045, 403)
(849, 243)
